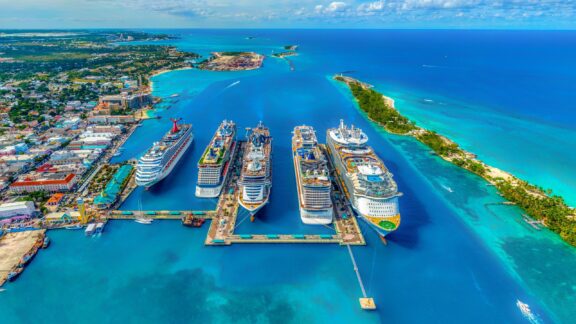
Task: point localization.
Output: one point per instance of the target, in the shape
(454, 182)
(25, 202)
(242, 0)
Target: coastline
(515, 190)
(159, 72)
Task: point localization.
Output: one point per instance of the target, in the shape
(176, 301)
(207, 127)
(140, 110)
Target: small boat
(198, 222)
(525, 310)
(46, 242)
(14, 274)
(99, 228)
(73, 227)
(90, 229)
(27, 258)
(187, 221)
(145, 221)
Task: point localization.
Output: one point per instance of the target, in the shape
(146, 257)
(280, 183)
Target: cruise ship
(214, 164)
(368, 183)
(312, 177)
(161, 158)
(256, 175)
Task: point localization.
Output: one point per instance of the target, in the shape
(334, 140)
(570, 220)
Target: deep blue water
(457, 257)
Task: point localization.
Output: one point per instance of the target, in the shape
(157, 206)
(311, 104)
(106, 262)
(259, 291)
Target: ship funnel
(175, 127)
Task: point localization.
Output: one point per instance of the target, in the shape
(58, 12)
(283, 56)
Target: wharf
(158, 214)
(224, 217)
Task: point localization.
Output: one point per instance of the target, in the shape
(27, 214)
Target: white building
(19, 208)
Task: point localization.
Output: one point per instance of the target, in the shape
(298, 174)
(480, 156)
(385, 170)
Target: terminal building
(15, 209)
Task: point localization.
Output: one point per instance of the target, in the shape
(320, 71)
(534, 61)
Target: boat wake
(447, 188)
(232, 84)
(527, 312)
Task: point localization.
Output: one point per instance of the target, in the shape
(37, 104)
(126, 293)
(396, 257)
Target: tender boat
(46, 242)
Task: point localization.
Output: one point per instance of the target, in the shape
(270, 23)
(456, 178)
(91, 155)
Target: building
(125, 100)
(114, 129)
(62, 217)
(19, 208)
(112, 119)
(51, 182)
(54, 201)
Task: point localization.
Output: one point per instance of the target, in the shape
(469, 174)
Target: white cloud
(336, 6)
(371, 6)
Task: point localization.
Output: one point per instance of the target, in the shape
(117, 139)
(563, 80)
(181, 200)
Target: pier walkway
(224, 217)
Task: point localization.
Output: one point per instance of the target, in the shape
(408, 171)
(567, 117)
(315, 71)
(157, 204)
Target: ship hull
(208, 192)
(383, 224)
(213, 191)
(316, 217)
(379, 230)
(168, 170)
(253, 208)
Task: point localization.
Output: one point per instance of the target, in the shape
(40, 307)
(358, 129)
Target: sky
(463, 14)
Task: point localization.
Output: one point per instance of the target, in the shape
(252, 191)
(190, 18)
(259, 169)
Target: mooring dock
(224, 217)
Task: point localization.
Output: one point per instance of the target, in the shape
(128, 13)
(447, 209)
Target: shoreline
(551, 211)
(160, 72)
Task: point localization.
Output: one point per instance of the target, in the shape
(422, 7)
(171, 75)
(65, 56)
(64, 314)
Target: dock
(224, 217)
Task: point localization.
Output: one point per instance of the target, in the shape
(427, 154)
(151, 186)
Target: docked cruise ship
(312, 177)
(256, 175)
(161, 158)
(214, 164)
(368, 183)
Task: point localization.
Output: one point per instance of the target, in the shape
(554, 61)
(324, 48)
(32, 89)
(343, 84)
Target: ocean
(458, 256)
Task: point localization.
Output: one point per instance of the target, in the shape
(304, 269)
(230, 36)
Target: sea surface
(459, 255)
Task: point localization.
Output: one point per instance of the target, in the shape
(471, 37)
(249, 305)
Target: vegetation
(379, 110)
(86, 50)
(552, 210)
(540, 204)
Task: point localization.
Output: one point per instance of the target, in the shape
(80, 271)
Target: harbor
(224, 217)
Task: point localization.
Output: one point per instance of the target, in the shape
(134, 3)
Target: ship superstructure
(214, 164)
(312, 177)
(256, 174)
(161, 158)
(367, 182)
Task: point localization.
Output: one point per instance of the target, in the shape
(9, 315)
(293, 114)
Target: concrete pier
(224, 217)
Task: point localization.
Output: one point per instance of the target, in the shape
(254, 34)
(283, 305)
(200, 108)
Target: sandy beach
(13, 246)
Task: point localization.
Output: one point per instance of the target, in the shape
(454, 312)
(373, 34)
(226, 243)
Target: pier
(224, 217)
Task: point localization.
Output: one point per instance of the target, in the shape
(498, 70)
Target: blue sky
(513, 14)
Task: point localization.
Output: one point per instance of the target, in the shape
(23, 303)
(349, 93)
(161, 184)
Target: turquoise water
(457, 257)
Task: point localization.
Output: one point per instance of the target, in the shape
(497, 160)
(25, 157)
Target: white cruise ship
(368, 183)
(312, 177)
(161, 158)
(256, 175)
(214, 164)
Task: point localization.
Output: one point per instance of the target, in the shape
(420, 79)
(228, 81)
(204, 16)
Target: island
(540, 204)
(232, 61)
(290, 50)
